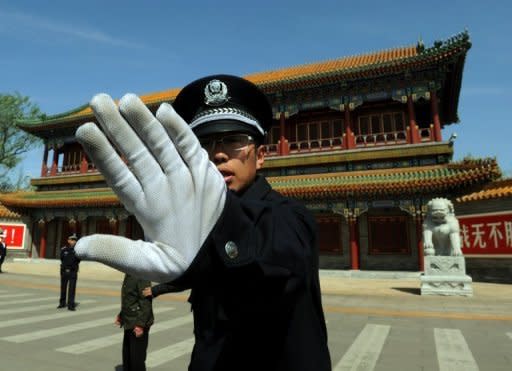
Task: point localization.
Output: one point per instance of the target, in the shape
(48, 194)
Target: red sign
(15, 235)
(486, 233)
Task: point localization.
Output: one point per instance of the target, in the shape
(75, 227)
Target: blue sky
(60, 53)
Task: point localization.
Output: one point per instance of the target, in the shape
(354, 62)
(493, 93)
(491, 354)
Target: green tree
(14, 142)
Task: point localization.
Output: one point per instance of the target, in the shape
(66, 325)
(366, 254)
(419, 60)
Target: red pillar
(55, 161)
(354, 248)
(435, 116)
(44, 167)
(84, 164)
(414, 133)
(283, 142)
(350, 140)
(42, 239)
(419, 238)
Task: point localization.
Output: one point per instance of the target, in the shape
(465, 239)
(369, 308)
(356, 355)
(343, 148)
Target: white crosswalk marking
(10, 296)
(26, 301)
(509, 334)
(34, 308)
(41, 334)
(365, 350)
(95, 344)
(453, 353)
(167, 354)
(60, 314)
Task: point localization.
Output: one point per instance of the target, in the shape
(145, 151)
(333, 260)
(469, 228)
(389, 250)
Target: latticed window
(318, 130)
(379, 123)
(319, 134)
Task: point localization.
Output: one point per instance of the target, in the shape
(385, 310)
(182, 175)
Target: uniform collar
(257, 190)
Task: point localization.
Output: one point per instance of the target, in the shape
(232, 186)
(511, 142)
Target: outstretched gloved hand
(168, 183)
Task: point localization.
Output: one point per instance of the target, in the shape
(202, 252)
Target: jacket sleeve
(163, 288)
(145, 314)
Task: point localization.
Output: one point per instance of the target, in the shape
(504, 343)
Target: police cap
(73, 237)
(224, 103)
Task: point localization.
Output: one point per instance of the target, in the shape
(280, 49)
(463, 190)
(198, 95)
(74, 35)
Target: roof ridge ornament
(216, 93)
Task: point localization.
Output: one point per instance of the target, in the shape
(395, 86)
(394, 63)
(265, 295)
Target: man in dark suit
(68, 273)
(136, 317)
(3, 248)
(213, 224)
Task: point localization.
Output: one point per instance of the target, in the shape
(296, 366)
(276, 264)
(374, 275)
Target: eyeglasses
(231, 145)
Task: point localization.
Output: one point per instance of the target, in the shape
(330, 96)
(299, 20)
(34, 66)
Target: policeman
(213, 224)
(68, 273)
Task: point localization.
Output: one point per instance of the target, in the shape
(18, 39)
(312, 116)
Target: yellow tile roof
(497, 189)
(382, 182)
(290, 73)
(341, 64)
(7, 213)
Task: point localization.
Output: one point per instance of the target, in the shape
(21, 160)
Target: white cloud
(24, 20)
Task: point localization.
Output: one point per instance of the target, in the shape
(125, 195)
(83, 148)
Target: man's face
(236, 156)
(71, 243)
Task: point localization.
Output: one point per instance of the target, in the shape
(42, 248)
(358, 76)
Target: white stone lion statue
(441, 230)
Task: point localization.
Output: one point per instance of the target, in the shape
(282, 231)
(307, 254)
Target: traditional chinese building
(357, 139)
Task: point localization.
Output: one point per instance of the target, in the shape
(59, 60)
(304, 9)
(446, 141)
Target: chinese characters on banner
(486, 233)
(15, 235)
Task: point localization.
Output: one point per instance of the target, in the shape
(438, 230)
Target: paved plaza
(378, 323)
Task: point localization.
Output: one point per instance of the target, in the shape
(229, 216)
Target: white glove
(174, 191)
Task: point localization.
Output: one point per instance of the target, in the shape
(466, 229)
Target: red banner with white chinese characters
(486, 233)
(15, 235)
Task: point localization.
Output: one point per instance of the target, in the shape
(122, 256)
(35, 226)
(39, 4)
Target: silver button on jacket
(231, 249)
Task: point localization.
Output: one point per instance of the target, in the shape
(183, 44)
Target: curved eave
(84, 113)
(500, 189)
(372, 183)
(7, 213)
(369, 65)
(390, 67)
(99, 197)
(389, 182)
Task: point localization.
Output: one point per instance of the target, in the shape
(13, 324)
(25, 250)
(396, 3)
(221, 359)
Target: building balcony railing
(294, 147)
(337, 143)
(305, 146)
(381, 139)
(69, 169)
(326, 144)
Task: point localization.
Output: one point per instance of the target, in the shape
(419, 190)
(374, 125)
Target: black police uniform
(3, 253)
(255, 288)
(68, 276)
(255, 285)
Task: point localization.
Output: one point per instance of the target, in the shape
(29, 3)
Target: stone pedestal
(446, 275)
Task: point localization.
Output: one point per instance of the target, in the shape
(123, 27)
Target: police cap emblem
(215, 93)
